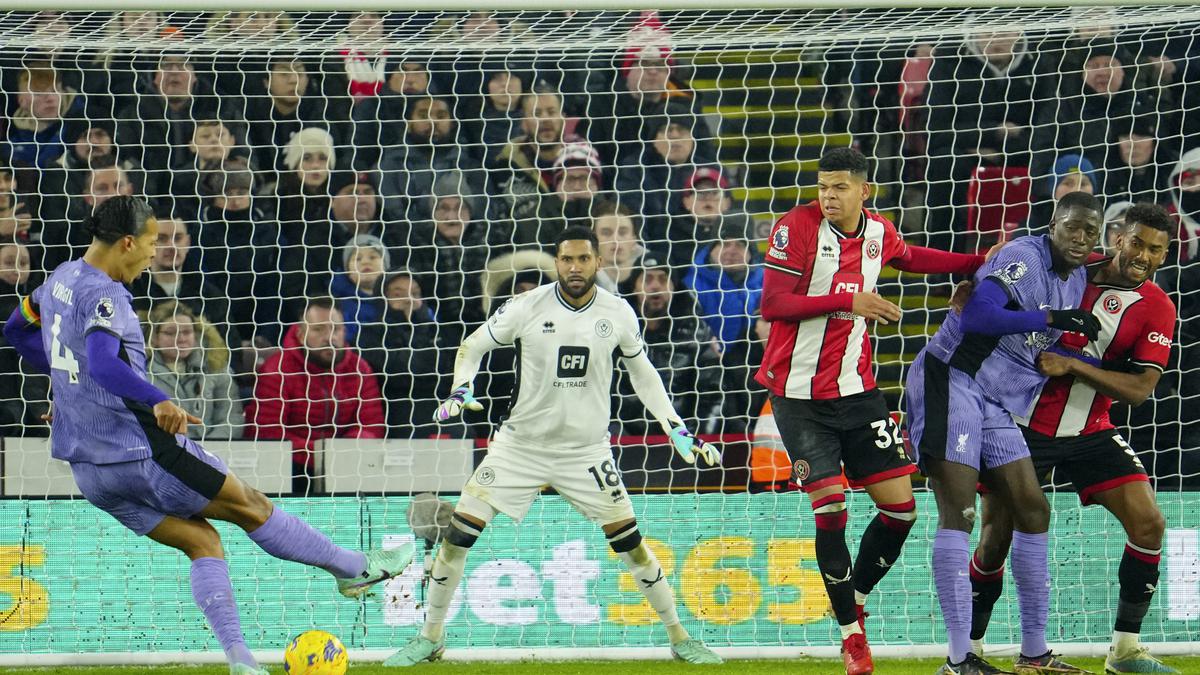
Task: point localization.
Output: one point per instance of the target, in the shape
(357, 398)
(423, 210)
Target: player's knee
(625, 538)
(829, 512)
(205, 542)
(1033, 514)
(1146, 531)
(463, 532)
(899, 517)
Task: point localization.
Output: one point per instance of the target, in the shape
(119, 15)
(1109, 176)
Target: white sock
(860, 598)
(1123, 643)
(850, 629)
(650, 579)
(977, 647)
(445, 576)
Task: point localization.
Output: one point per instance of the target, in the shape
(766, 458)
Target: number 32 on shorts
(889, 434)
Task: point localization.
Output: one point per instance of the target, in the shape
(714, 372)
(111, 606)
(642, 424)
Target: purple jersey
(90, 424)
(1005, 367)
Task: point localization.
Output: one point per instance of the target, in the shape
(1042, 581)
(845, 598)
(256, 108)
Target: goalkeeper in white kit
(567, 336)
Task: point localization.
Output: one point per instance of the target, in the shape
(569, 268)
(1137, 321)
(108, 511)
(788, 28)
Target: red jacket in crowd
(303, 402)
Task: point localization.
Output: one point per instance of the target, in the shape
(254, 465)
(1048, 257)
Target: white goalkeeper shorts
(512, 475)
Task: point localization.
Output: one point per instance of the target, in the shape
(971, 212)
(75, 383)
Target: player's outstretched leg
(1134, 505)
(1016, 484)
(626, 541)
(987, 565)
(444, 577)
(833, 559)
(211, 588)
(287, 537)
(883, 538)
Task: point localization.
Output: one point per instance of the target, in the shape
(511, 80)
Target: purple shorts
(950, 418)
(176, 481)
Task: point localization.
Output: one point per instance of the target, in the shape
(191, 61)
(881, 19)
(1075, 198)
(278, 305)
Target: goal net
(342, 197)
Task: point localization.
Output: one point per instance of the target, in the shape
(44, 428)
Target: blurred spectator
(355, 210)
(365, 260)
(1088, 111)
(24, 393)
(980, 111)
(157, 129)
(431, 147)
(643, 93)
(524, 170)
(109, 77)
(233, 73)
(727, 279)
(211, 145)
(362, 59)
(188, 360)
(653, 186)
(315, 388)
(1185, 204)
(679, 344)
(448, 252)
(93, 144)
(309, 245)
(1072, 173)
(1136, 172)
(1114, 223)
(173, 277)
(728, 288)
(403, 348)
(578, 179)
(292, 103)
(707, 206)
(501, 116)
(620, 249)
(48, 117)
(62, 236)
(238, 250)
(15, 221)
(379, 121)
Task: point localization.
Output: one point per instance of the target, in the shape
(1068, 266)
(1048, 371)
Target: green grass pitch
(779, 667)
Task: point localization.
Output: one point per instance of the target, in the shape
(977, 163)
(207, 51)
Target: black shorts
(856, 432)
(1092, 463)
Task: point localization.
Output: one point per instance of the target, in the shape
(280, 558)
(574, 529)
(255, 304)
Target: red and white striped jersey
(827, 356)
(1136, 324)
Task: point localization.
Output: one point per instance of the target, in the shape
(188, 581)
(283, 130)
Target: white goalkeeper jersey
(564, 362)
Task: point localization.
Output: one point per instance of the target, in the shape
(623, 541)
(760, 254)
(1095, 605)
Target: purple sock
(1031, 571)
(214, 595)
(951, 562)
(287, 537)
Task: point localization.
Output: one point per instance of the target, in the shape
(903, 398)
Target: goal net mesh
(342, 197)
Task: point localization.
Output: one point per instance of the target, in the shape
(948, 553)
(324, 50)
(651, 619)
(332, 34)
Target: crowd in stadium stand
(405, 198)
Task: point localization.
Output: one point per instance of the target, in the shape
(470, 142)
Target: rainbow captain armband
(30, 312)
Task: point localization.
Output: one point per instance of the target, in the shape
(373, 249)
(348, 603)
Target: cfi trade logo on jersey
(604, 328)
(1112, 304)
(872, 249)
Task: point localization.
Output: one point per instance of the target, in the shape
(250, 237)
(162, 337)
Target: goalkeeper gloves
(1074, 321)
(688, 445)
(452, 407)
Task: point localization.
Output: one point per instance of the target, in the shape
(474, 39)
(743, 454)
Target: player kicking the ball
(567, 336)
(125, 439)
(818, 293)
(1070, 431)
(963, 390)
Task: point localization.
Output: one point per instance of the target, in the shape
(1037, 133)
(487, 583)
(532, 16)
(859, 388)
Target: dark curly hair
(118, 217)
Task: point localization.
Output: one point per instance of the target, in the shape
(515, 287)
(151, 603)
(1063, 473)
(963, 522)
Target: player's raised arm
(922, 260)
(23, 332)
(499, 331)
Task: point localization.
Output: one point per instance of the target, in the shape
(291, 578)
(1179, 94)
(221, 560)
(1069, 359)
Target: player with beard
(567, 337)
(963, 391)
(1070, 431)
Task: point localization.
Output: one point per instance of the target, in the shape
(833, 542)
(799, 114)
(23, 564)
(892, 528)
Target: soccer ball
(315, 652)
